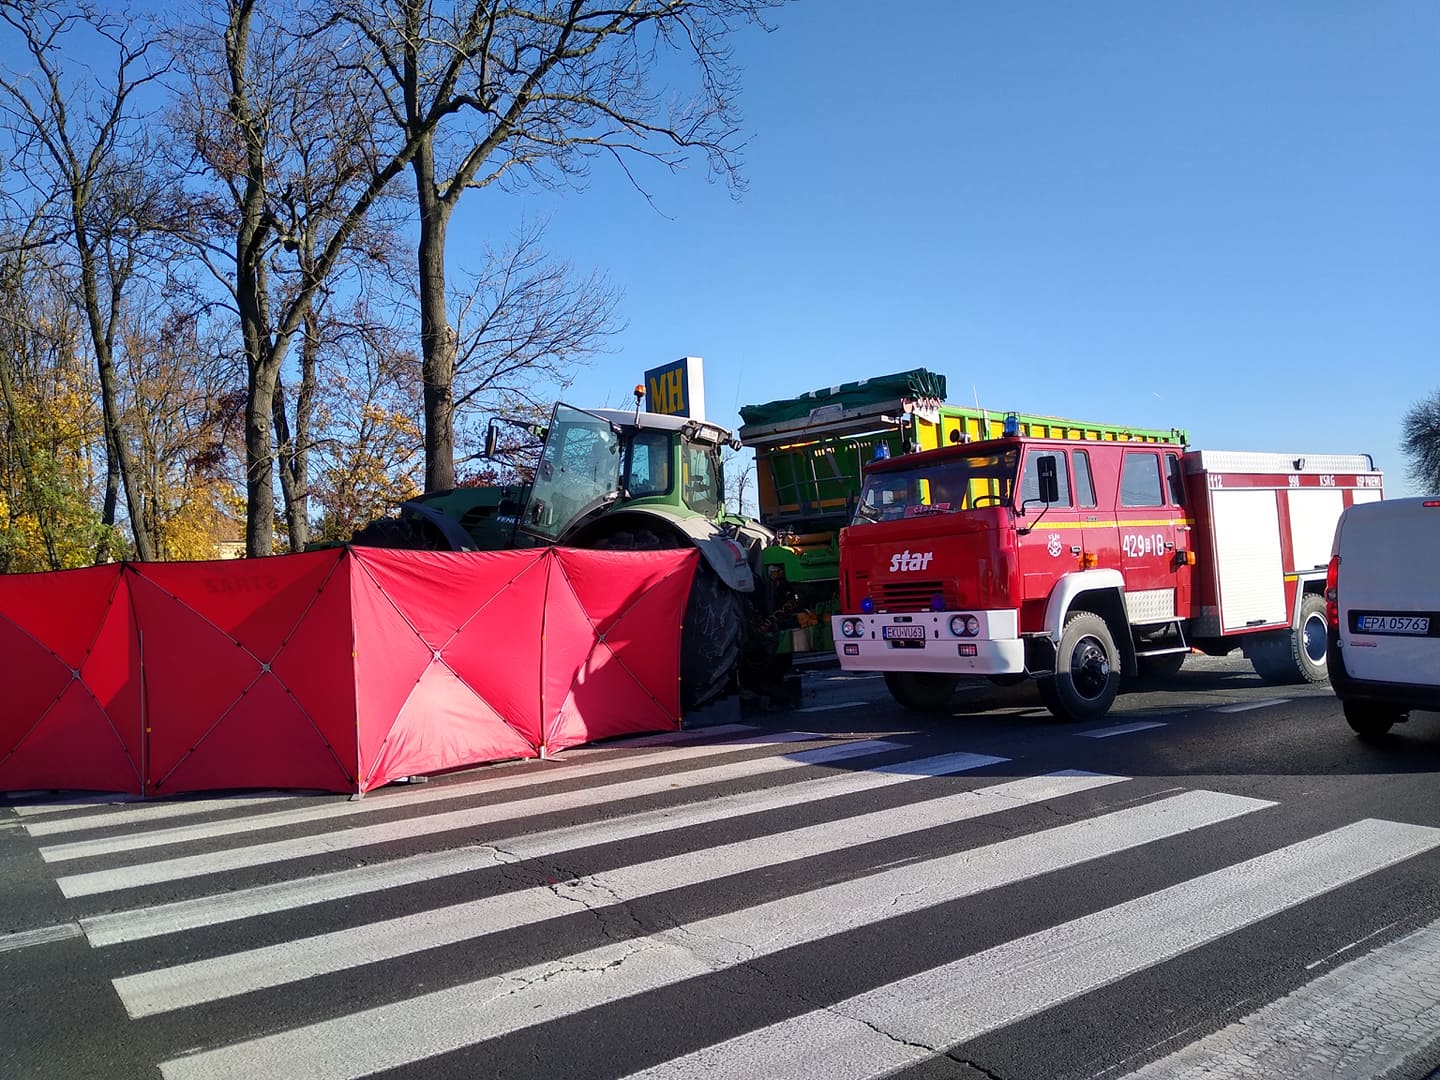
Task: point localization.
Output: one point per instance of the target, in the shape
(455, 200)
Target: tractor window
(649, 464)
(701, 479)
(579, 465)
(1140, 481)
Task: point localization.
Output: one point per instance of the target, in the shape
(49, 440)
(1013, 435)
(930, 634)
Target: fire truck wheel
(1369, 720)
(921, 690)
(1293, 656)
(1087, 670)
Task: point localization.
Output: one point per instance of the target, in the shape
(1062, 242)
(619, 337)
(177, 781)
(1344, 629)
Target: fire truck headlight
(964, 625)
(851, 628)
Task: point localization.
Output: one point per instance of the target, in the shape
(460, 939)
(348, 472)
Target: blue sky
(1221, 217)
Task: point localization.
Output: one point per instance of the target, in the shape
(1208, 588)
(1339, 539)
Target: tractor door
(579, 468)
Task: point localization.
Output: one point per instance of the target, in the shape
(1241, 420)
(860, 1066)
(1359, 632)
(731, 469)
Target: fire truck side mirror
(1049, 480)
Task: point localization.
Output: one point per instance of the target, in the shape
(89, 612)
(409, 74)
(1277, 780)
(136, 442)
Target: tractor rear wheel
(714, 621)
(404, 533)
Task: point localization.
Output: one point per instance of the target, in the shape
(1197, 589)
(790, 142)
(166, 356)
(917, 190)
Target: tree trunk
(437, 339)
(117, 450)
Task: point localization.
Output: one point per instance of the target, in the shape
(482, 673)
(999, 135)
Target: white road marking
(1369, 1017)
(1120, 729)
(116, 927)
(392, 1035)
(200, 981)
(23, 939)
(528, 775)
(303, 847)
(1246, 706)
(910, 1020)
(833, 705)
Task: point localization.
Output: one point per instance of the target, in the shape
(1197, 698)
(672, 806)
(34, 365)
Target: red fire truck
(1079, 563)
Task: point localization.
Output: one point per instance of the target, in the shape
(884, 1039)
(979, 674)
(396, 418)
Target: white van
(1382, 602)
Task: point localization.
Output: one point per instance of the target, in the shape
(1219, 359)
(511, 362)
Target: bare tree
(1421, 443)
(485, 91)
(288, 139)
(89, 157)
(525, 324)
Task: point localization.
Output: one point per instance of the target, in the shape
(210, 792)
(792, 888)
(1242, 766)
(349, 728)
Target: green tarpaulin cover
(917, 383)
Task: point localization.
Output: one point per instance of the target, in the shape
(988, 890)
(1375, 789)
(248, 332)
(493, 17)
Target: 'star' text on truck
(1077, 563)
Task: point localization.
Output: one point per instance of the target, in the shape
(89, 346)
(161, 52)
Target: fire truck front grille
(907, 595)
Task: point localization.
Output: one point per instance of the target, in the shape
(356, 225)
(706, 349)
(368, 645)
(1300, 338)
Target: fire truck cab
(1079, 563)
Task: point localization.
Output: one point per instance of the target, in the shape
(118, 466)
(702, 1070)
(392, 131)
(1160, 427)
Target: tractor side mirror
(492, 439)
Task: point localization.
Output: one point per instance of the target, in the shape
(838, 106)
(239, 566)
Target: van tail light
(1332, 593)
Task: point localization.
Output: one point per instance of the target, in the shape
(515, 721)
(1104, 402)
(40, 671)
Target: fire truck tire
(1087, 670)
(1293, 656)
(921, 690)
(1369, 720)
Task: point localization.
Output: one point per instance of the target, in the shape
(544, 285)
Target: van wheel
(921, 690)
(1293, 656)
(1369, 720)
(1087, 670)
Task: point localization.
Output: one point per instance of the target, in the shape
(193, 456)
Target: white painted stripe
(1120, 729)
(303, 847)
(74, 804)
(23, 939)
(833, 705)
(1246, 706)
(200, 981)
(1368, 1018)
(404, 1032)
(117, 927)
(912, 1019)
(528, 774)
(143, 812)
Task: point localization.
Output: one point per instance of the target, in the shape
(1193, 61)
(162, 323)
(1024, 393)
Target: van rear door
(1388, 587)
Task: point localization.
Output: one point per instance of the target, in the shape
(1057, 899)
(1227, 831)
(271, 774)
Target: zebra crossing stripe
(142, 812)
(909, 1021)
(177, 869)
(527, 776)
(225, 976)
(1378, 1015)
(435, 1023)
(116, 927)
(409, 828)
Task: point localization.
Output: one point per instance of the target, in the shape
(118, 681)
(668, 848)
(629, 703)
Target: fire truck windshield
(945, 485)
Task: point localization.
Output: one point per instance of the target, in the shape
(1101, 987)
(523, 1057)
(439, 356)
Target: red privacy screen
(337, 670)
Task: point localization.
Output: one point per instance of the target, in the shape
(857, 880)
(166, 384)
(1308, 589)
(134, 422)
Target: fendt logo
(906, 561)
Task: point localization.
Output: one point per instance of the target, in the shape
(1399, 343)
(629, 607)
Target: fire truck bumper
(956, 643)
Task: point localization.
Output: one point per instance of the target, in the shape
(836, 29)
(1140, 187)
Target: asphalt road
(1218, 881)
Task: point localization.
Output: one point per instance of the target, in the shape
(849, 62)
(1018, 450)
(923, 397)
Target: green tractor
(618, 479)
